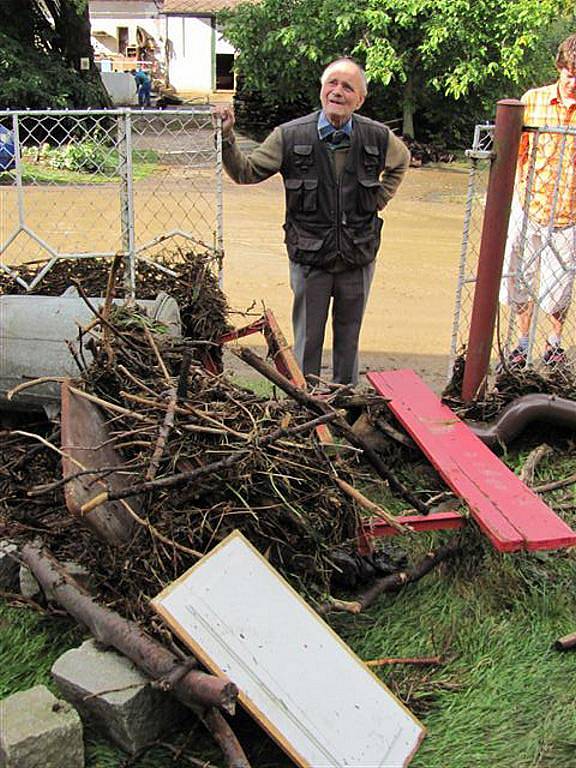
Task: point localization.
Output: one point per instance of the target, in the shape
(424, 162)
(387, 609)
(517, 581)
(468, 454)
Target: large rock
(37, 730)
(115, 697)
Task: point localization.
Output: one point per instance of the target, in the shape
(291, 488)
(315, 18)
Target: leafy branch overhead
(455, 48)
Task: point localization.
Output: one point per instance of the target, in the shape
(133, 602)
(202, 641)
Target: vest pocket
(368, 195)
(371, 159)
(301, 195)
(310, 196)
(293, 194)
(303, 156)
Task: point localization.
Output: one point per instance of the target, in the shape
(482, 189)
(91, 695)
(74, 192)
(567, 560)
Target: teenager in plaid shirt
(542, 231)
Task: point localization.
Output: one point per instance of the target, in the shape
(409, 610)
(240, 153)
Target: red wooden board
(508, 512)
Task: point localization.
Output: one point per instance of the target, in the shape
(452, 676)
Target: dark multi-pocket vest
(330, 219)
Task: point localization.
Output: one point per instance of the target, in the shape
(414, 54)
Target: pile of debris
(422, 153)
(160, 458)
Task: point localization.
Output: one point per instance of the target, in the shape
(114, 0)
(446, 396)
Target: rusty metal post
(507, 133)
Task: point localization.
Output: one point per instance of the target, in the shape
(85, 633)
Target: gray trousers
(313, 290)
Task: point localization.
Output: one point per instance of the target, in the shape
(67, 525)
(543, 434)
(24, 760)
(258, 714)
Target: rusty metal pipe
(524, 410)
(507, 133)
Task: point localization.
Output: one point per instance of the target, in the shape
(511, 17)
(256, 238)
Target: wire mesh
(82, 184)
(540, 259)
(479, 159)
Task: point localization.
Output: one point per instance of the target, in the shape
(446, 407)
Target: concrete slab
(115, 697)
(37, 730)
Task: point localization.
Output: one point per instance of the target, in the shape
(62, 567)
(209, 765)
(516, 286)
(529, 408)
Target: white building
(177, 39)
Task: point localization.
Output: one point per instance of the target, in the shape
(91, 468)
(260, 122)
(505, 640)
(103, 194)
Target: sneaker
(554, 356)
(514, 361)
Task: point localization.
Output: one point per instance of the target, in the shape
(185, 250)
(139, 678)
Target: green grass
(145, 163)
(503, 699)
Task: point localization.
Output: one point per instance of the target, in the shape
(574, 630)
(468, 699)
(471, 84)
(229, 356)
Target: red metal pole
(507, 133)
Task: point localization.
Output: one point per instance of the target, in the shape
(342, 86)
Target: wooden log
(194, 689)
(565, 643)
(86, 445)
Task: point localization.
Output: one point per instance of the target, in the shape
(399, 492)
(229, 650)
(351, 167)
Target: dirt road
(409, 314)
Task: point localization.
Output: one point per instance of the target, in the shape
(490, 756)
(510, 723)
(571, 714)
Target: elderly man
(541, 246)
(339, 170)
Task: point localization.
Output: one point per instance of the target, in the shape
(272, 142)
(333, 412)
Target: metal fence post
(127, 200)
(219, 203)
(507, 133)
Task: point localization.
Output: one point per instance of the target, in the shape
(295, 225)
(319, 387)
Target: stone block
(29, 586)
(9, 566)
(110, 693)
(37, 730)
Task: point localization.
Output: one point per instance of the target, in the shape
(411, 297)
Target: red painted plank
(507, 511)
(435, 521)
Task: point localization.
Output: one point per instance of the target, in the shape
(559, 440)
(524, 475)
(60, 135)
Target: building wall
(192, 42)
(191, 53)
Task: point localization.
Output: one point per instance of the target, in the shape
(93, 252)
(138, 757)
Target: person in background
(339, 170)
(542, 232)
(143, 86)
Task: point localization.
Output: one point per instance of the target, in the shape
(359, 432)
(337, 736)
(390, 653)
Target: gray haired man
(339, 170)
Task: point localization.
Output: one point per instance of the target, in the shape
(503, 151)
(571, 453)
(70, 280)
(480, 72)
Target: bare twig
(534, 458)
(424, 661)
(163, 433)
(340, 424)
(207, 469)
(371, 506)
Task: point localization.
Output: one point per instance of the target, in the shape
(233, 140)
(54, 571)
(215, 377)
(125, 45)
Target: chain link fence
(87, 184)
(540, 259)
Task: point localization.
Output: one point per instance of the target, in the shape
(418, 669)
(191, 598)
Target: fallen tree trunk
(194, 689)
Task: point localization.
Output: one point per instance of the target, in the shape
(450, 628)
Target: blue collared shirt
(326, 129)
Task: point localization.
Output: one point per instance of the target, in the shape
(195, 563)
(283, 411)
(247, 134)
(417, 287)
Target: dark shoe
(514, 361)
(554, 356)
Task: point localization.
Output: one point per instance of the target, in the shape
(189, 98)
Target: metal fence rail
(84, 184)
(479, 158)
(540, 260)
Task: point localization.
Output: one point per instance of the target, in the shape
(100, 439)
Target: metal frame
(124, 138)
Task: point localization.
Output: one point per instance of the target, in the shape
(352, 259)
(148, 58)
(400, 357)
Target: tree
(456, 48)
(41, 45)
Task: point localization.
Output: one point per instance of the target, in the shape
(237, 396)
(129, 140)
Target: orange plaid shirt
(555, 158)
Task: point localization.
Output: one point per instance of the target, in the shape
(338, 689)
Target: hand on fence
(226, 113)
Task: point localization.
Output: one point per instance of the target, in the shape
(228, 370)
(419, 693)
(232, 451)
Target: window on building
(224, 71)
(122, 34)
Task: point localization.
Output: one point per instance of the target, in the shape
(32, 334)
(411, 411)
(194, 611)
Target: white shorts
(544, 255)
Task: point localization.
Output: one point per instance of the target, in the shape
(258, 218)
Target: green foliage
(35, 79)
(88, 156)
(421, 56)
(40, 47)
